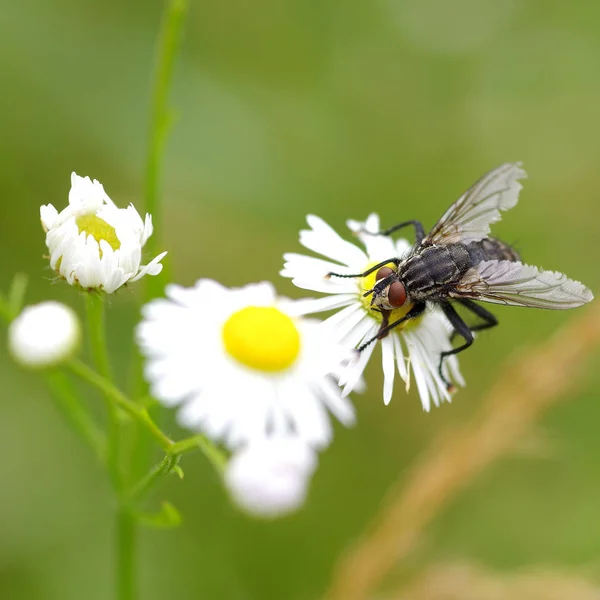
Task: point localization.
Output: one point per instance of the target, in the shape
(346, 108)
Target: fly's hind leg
(489, 320)
(395, 261)
(460, 328)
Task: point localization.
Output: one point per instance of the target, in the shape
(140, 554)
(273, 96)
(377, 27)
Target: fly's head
(389, 292)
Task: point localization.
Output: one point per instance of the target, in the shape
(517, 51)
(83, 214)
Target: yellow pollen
(368, 283)
(262, 337)
(99, 229)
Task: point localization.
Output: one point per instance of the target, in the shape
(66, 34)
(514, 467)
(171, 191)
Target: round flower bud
(44, 335)
(269, 477)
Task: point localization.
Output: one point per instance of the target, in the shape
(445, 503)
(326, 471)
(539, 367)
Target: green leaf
(167, 518)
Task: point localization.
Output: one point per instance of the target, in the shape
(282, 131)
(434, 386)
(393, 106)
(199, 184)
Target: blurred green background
(288, 107)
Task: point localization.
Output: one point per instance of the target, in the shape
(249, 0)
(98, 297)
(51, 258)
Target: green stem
(67, 401)
(160, 120)
(168, 44)
(120, 400)
(126, 554)
(94, 304)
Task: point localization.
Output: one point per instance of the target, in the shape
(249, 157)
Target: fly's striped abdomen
(491, 249)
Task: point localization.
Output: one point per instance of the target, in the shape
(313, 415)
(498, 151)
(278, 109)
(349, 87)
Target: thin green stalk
(120, 400)
(94, 305)
(167, 47)
(126, 554)
(78, 417)
(160, 120)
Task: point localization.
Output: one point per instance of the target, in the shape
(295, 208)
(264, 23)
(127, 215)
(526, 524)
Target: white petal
(148, 229)
(400, 361)
(365, 330)
(344, 321)
(300, 265)
(323, 240)
(152, 268)
(316, 305)
(48, 216)
(327, 286)
(309, 417)
(387, 359)
(338, 405)
(354, 371)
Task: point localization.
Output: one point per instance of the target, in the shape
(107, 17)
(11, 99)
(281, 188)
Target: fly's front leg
(395, 261)
(460, 328)
(413, 313)
(385, 321)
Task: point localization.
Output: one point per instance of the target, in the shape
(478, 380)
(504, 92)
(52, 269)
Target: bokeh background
(287, 107)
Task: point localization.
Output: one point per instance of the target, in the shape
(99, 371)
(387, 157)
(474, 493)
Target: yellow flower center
(368, 283)
(99, 229)
(262, 337)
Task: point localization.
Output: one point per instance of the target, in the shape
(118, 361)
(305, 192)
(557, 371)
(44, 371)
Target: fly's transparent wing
(469, 218)
(516, 284)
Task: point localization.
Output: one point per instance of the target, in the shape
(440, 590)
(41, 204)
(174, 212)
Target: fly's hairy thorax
(433, 271)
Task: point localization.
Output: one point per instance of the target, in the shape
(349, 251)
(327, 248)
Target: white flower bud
(269, 477)
(44, 335)
(94, 244)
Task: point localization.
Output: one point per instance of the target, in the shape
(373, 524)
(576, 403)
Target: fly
(458, 263)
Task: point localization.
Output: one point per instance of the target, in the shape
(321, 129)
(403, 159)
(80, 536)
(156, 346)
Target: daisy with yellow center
(242, 365)
(94, 244)
(414, 346)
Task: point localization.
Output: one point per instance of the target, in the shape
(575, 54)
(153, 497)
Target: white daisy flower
(415, 345)
(93, 243)
(44, 335)
(269, 477)
(242, 364)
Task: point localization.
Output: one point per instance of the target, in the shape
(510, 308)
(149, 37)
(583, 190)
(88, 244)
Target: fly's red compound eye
(383, 273)
(396, 294)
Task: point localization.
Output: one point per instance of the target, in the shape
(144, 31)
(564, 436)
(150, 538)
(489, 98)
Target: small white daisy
(269, 477)
(44, 335)
(417, 344)
(93, 243)
(242, 364)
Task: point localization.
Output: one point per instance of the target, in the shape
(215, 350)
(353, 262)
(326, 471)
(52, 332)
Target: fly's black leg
(489, 319)
(414, 312)
(462, 329)
(419, 231)
(395, 261)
